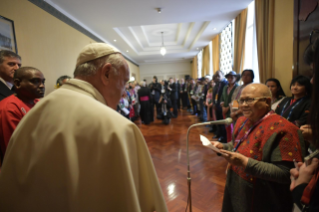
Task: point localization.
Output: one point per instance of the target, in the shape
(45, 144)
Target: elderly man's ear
(268, 101)
(105, 72)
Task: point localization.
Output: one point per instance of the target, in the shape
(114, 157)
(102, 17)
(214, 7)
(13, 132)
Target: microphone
(226, 121)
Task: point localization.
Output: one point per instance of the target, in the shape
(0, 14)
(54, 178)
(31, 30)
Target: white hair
(142, 83)
(91, 67)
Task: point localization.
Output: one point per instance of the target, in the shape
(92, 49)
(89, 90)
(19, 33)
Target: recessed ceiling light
(114, 40)
(215, 29)
(126, 50)
(159, 10)
(197, 48)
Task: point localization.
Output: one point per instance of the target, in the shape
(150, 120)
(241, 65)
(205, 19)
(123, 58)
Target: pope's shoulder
(78, 107)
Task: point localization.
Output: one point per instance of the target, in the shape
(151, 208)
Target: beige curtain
(239, 42)
(215, 42)
(206, 63)
(194, 67)
(264, 11)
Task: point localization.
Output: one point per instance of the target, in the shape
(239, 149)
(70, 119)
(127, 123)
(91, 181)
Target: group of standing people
(166, 97)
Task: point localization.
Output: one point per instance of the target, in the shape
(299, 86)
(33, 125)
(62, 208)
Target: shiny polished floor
(167, 145)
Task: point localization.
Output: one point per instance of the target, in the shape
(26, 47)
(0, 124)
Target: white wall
(165, 71)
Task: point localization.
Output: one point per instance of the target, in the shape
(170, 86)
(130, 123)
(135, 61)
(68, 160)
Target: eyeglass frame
(253, 99)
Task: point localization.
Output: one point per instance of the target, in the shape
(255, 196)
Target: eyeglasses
(251, 100)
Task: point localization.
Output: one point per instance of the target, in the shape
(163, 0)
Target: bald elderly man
(260, 156)
(29, 87)
(74, 152)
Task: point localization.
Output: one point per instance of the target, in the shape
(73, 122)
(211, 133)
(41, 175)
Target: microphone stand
(188, 166)
(226, 121)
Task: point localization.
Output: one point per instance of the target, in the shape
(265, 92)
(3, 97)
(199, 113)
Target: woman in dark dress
(296, 108)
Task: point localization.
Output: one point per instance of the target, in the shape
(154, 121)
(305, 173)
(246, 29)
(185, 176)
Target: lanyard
(250, 129)
(218, 87)
(239, 92)
(283, 109)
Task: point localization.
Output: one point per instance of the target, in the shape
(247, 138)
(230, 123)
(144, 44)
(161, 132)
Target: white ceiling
(188, 26)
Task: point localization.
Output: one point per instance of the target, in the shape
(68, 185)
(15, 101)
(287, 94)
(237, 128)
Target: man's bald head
(255, 101)
(258, 89)
(23, 72)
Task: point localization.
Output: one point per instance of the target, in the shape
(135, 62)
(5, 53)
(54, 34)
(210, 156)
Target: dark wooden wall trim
(296, 38)
(306, 19)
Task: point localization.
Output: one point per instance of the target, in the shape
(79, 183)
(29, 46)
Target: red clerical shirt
(12, 110)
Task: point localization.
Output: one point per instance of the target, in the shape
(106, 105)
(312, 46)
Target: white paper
(208, 144)
(126, 111)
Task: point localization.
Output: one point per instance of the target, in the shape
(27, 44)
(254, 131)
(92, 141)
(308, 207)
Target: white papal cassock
(71, 152)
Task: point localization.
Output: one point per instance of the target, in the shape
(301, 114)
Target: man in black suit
(182, 91)
(174, 96)
(9, 63)
(217, 92)
(155, 88)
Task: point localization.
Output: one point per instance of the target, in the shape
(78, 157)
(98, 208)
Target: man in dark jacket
(144, 95)
(217, 92)
(172, 87)
(155, 88)
(9, 63)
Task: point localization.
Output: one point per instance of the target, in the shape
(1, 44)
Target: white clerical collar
(8, 84)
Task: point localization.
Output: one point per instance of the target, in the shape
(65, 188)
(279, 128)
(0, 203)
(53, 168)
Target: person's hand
(304, 174)
(306, 132)
(294, 173)
(217, 144)
(225, 109)
(233, 115)
(235, 158)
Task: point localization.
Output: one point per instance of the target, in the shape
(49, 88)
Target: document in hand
(208, 144)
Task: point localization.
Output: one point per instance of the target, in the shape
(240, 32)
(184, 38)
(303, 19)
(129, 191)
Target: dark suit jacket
(218, 89)
(157, 88)
(173, 91)
(4, 91)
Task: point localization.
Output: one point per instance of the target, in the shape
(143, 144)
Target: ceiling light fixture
(114, 40)
(159, 10)
(163, 49)
(214, 28)
(126, 50)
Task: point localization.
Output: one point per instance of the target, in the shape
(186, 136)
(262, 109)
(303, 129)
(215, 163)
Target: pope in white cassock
(74, 152)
